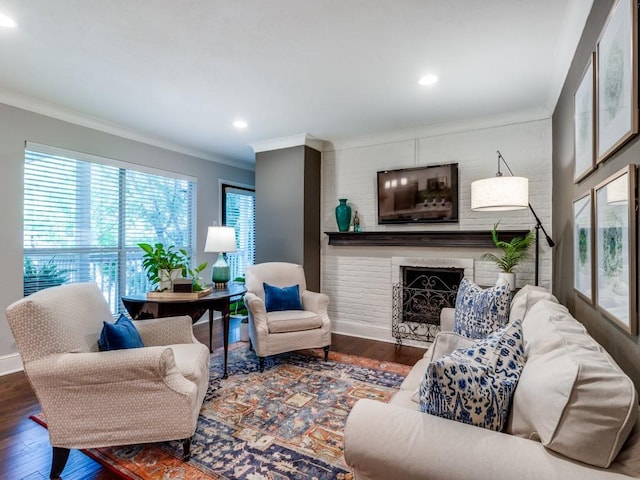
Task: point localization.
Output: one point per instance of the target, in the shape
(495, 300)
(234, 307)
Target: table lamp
(222, 240)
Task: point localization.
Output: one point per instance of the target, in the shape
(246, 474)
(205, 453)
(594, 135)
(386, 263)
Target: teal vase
(343, 215)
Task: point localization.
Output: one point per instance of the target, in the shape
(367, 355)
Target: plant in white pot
(163, 264)
(513, 252)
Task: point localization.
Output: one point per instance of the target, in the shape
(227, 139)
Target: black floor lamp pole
(550, 242)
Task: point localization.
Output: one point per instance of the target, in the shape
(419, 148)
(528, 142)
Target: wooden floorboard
(25, 452)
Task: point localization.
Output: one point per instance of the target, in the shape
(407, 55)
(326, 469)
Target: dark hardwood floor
(25, 452)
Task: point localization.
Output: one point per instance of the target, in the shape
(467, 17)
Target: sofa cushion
(293, 321)
(527, 297)
(279, 299)
(572, 396)
(443, 344)
(481, 311)
(119, 335)
(628, 460)
(474, 385)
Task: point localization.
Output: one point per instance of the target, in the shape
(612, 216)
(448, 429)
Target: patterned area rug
(285, 423)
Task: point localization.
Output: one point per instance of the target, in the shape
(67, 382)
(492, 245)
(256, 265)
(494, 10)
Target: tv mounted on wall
(426, 194)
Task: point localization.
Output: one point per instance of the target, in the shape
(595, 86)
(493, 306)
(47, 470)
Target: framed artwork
(583, 279)
(617, 79)
(584, 122)
(615, 248)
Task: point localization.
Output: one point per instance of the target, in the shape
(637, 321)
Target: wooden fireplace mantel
(430, 238)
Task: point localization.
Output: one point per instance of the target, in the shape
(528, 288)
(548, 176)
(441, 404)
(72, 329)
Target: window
(238, 211)
(84, 217)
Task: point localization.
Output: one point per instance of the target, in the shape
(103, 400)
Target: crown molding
(287, 142)
(502, 120)
(57, 112)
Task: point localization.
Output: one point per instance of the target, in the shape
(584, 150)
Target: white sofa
(574, 414)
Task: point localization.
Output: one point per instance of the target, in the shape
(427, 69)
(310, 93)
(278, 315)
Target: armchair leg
(186, 449)
(59, 460)
(261, 360)
(326, 352)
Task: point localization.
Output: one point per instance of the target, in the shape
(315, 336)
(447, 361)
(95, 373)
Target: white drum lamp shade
(221, 240)
(499, 194)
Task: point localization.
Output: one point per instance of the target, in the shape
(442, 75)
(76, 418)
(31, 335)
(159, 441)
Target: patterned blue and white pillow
(480, 311)
(475, 385)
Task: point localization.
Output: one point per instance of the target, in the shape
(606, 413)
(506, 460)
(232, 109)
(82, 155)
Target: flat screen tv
(426, 194)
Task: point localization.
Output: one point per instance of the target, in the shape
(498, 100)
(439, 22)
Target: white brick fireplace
(359, 279)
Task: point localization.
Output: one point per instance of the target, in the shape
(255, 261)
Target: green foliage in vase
(158, 257)
(198, 282)
(513, 252)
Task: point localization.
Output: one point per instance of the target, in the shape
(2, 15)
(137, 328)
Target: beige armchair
(284, 331)
(119, 397)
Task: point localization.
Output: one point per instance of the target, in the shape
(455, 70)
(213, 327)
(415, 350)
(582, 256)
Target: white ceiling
(177, 72)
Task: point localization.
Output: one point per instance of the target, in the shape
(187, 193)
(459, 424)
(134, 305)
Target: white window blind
(239, 206)
(83, 221)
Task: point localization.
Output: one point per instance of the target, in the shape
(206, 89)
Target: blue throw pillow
(479, 312)
(277, 299)
(475, 385)
(119, 335)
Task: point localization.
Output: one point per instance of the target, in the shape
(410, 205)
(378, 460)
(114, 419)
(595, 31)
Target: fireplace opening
(419, 298)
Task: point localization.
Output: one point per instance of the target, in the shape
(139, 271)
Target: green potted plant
(194, 273)
(162, 264)
(513, 252)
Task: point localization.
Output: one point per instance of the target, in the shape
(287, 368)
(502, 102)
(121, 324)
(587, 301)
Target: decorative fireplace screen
(418, 299)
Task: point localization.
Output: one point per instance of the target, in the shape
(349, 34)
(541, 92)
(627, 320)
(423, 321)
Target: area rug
(284, 423)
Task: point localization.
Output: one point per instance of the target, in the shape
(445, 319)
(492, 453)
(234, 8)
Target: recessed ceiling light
(428, 80)
(240, 124)
(7, 22)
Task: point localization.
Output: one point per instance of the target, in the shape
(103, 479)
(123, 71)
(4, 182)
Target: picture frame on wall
(584, 122)
(615, 248)
(583, 279)
(617, 79)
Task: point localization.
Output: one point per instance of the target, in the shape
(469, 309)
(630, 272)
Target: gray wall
(623, 347)
(312, 188)
(18, 126)
(288, 209)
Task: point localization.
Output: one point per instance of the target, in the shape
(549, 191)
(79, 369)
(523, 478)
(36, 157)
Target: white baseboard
(10, 364)
(372, 332)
